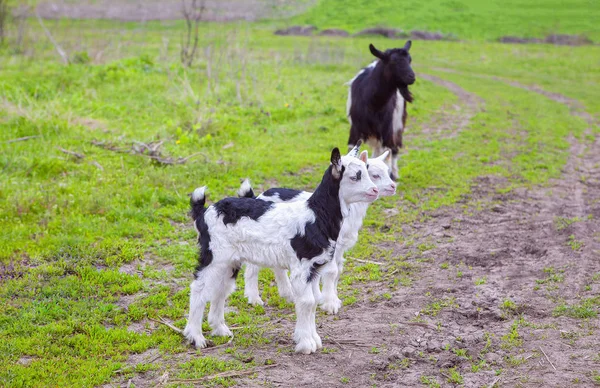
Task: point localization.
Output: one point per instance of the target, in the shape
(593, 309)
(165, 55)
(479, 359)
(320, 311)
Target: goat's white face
(356, 186)
(379, 172)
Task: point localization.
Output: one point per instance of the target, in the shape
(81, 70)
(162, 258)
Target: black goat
(377, 99)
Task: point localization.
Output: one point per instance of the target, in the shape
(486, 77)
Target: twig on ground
(59, 49)
(494, 382)
(72, 153)
(366, 261)
(545, 355)
(21, 139)
(162, 321)
(97, 165)
(348, 342)
(422, 324)
(224, 374)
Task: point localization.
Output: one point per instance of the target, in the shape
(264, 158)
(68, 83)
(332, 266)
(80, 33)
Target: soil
(515, 244)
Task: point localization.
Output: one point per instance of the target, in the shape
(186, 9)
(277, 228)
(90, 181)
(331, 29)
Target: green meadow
(96, 243)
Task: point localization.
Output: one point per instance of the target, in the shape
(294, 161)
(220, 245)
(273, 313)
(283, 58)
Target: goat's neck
(326, 202)
(384, 87)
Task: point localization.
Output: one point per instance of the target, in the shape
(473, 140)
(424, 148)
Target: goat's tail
(197, 203)
(245, 190)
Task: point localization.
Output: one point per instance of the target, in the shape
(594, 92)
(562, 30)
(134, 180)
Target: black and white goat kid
(299, 236)
(377, 97)
(330, 274)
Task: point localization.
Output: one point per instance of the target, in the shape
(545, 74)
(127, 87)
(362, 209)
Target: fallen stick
(422, 324)
(494, 383)
(366, 261)
(72, 153)
(162, 321)
(21, 139)
(59, 49)
(223, 374)
(547, 358)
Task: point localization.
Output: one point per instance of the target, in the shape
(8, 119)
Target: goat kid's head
(351, 172)
(397, 64)
(379, 172)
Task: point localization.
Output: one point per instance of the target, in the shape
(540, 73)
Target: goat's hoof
(255, 301)
(306, 346)
(221, 331)
(317, 340)
(331, 306)
(196, 340)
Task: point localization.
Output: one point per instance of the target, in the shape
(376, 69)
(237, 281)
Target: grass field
(96, 243)
(465, 19)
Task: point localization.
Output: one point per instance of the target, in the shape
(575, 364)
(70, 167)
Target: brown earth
(520, 248)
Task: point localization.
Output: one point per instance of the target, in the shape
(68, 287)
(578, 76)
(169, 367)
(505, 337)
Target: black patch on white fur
(233, 209)
(283, 193)
(314, 271)
(325, 203)
(235, 272)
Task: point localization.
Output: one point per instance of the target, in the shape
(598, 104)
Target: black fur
(325, 203)
(249, 194)
(233, 209)
(314, 271)
(374, 97)
(283, 193)
(197, 213)
(235, 272)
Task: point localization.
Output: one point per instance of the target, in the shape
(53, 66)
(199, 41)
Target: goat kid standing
(376, 106)
(329, 301)
(299, 236)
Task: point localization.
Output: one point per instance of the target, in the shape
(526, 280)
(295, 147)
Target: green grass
(466, 19)
(93, 247)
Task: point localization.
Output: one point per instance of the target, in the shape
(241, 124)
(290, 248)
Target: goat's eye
(376, 176)
(353, 178)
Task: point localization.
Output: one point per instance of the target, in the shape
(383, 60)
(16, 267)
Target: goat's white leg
(315, 335)
(329, 299)
(394, 167)
(251, 284)
(216, 314)
(284, 287)
(198, 299)
(305, 305)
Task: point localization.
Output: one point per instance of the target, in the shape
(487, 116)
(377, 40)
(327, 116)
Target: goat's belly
(266, 255)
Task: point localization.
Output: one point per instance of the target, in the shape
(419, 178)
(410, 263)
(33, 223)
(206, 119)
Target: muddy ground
(518, 248)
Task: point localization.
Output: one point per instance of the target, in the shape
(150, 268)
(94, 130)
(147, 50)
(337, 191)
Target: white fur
(266, 242)
(198, 194)
(331, 272)
(244, 188)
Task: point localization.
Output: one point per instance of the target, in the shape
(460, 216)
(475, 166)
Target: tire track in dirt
(508, 244)
(448, 125)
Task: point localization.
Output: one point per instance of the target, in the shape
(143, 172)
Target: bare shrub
(3, 18)
(192, 11)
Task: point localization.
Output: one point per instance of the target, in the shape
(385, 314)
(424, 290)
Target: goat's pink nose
(374, 190)
(393, 186)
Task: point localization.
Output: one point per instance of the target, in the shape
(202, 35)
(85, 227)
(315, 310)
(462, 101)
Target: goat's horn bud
(354, 151)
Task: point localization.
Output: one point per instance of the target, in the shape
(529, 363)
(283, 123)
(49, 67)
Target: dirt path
(447, 125)
(488, 294)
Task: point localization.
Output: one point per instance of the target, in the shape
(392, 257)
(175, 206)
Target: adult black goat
(377, 99)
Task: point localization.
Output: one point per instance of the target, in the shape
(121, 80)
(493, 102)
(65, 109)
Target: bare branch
(59, 49)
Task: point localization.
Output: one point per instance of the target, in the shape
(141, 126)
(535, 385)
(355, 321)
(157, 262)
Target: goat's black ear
(376, 52)
(336, 163)
(407, 45)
